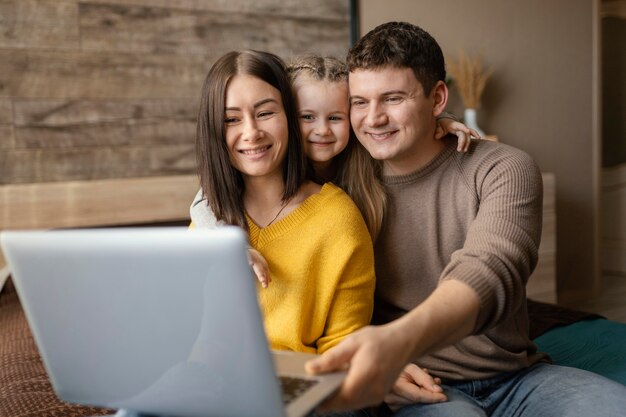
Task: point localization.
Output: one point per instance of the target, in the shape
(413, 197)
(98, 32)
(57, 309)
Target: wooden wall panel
(7, 140)
(97, 74)
(105, 89)
(42, 165)
(324, 9)
(138, 132)
(167, 30)
(6, 111)
(38, 24)
(52, 113)
(69, 123)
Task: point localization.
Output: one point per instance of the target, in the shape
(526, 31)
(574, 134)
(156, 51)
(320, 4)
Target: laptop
(161, 321)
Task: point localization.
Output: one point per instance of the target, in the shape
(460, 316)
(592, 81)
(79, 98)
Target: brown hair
(357, 173)
(221, 183)
(400, 45)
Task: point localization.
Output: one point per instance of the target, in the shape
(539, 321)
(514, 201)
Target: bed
(572, 338)
(579, 339)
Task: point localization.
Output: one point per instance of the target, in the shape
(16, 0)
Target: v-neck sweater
(321, 264)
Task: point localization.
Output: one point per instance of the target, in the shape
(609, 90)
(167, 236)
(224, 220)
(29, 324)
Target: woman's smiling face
(256, 126)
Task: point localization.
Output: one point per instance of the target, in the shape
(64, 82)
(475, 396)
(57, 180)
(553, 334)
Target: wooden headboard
(95, 203)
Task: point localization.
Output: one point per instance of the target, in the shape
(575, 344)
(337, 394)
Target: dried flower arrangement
(470, 78)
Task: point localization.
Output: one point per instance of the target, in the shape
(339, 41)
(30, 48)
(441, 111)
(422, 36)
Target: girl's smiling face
(324, 117)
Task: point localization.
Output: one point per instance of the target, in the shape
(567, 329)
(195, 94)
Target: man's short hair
(400, 45)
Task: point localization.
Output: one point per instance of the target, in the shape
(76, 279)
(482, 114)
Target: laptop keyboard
(294, 387)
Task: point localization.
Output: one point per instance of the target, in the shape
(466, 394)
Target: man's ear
(440, 96)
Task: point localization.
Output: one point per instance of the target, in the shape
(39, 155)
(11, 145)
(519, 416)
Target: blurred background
(98, 102)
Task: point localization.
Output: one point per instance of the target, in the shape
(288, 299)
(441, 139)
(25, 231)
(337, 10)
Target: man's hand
(375, 356)
(415, 385)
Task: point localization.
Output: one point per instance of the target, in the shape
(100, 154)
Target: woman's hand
(446, 126)
(415, 385)
(260, 267)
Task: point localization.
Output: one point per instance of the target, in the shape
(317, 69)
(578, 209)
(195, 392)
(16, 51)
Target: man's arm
(377, 354)
(481, 286)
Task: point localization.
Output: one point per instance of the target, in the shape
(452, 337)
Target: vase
(469, 117)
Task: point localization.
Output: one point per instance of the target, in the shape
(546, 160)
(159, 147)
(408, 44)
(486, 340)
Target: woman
(253, 174)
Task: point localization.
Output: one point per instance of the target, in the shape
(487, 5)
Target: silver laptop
(156, 320)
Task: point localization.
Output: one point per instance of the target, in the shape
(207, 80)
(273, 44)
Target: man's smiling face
(391, 115)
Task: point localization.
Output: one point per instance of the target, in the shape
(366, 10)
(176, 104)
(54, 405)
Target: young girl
(253, 174)
(320, 85)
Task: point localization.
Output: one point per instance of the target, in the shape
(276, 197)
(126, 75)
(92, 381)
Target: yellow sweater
(321, 262)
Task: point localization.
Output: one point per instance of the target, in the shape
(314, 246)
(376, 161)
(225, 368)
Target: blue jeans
(540, 390)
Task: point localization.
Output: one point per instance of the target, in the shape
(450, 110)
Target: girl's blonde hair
(357, 173)
(320, 68)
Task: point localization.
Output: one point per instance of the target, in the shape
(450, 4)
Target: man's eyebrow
(389, 93)
(386, 93)
(256, 105)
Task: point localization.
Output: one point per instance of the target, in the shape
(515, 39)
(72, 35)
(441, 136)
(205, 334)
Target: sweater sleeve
(501, 246)
(201, 215)
(353, 299)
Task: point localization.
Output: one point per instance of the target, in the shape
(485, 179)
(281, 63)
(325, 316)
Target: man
(458, 244)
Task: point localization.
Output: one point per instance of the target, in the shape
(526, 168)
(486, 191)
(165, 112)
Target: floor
(611, 301)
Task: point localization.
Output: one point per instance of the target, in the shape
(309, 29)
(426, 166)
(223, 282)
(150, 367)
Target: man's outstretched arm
(376, 355)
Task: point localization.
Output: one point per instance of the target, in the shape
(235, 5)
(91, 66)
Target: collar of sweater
(435, 163)
(310, 205)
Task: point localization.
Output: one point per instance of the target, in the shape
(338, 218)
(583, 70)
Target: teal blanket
(595, 345)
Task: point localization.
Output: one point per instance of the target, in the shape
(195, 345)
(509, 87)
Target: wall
(539, 99)
(95, 89)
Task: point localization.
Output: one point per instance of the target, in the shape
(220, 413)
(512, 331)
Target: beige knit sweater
(474, 217)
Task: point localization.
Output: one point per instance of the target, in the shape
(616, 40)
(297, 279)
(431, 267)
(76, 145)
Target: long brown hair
(356, 172)
(222, 185)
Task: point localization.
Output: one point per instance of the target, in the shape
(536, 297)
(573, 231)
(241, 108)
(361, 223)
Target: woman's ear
(440, 96)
